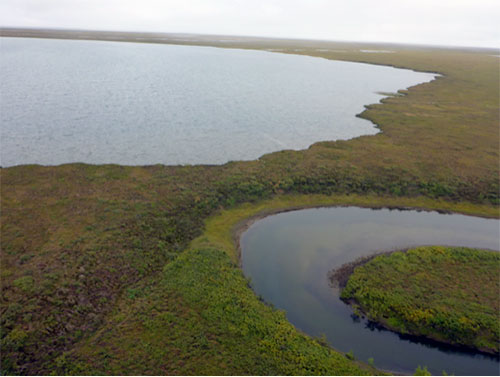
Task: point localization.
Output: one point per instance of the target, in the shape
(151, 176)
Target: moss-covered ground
(448, 294)
(97, 271)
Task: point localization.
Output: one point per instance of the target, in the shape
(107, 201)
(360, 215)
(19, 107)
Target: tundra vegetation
(448, 294)
(100, 273)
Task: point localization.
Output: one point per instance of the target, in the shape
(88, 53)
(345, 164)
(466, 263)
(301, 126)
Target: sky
(436, 22)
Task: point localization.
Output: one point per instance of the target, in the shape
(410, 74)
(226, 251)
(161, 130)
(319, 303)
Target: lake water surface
(135, 104)
(288, 257)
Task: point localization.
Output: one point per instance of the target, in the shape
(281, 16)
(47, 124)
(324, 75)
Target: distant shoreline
(211, 39)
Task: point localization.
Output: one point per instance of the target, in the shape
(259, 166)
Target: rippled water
(131, 103)
(288, 257)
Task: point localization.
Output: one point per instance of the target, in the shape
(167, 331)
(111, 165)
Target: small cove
(98, 102)
(288, 256)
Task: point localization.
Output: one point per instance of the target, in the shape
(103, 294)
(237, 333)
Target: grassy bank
(199, 316)
(223, 231)
(79, 242)
(446, 294)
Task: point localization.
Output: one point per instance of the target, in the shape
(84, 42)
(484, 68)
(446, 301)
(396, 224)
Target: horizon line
(38, 28)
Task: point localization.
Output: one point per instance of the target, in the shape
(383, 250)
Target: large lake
(288, 257)
(136, 104)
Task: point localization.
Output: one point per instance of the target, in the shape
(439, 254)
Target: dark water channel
(288, 256)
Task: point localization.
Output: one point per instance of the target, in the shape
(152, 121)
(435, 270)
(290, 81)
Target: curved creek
(288, 256)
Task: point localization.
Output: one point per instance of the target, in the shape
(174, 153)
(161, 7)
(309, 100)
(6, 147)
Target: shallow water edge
(306, 296)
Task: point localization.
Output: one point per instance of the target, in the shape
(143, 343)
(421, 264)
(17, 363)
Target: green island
(134, 270)
(448, 294)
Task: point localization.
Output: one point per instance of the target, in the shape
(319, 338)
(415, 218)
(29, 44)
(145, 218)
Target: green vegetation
(422, 371)
(448, 294)
(103, 264)
(198, 316)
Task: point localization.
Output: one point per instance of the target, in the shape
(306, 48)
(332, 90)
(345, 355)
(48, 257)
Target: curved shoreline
(312, 53)
(339, 277)
(416, 338)
(240, 227)
(157, 193)
(256, 250)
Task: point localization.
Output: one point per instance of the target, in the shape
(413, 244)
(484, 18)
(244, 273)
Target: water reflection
(288, 257)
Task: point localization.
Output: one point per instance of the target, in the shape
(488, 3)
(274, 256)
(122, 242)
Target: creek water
(98, 102)
(288, 256)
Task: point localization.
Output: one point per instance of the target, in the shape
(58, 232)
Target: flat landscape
(445, 294)
(110, 269)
